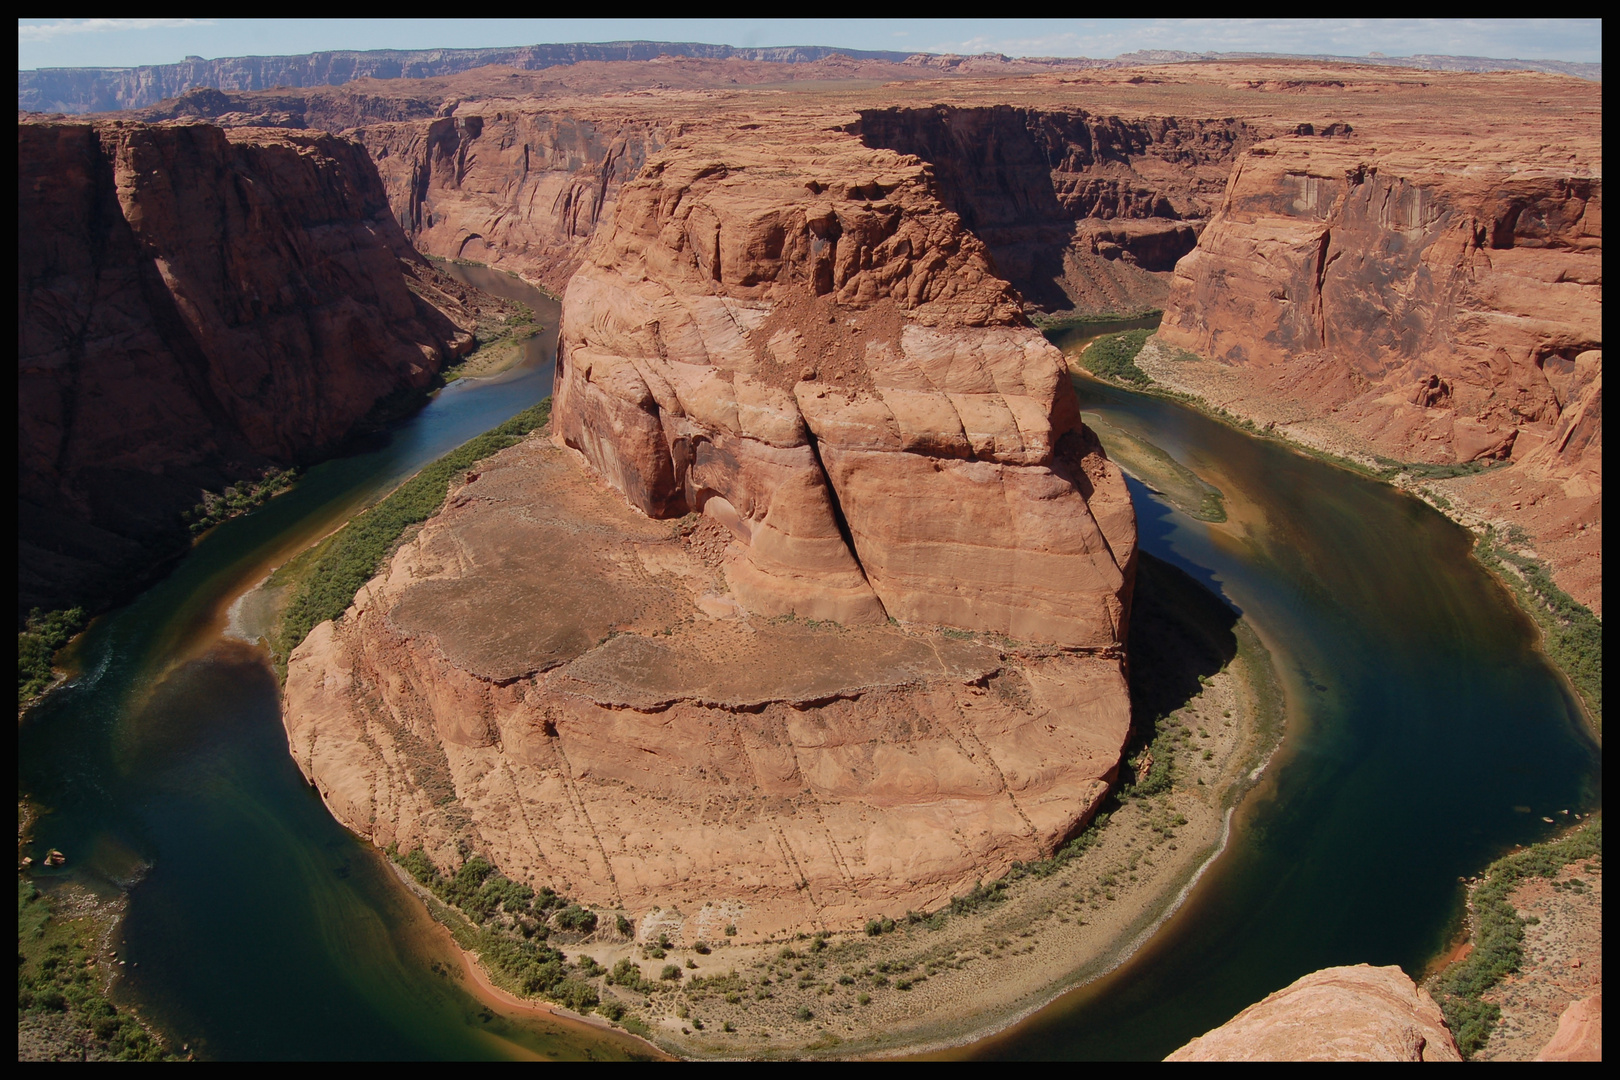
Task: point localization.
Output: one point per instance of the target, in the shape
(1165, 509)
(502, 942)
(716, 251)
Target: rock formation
(1433, 305)
(886, 660)
(798, 339)
(194, 303)
(1580, 1033)
(548, 677)
(1359, 1013)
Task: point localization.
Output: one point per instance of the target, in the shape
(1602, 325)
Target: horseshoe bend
(807, 634)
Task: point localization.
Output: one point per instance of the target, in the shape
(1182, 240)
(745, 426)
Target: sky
(131, 42)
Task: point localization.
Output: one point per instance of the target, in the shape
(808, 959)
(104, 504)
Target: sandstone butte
(1359, 1013)
(1388, 262)
(195, 303)
(756, 721)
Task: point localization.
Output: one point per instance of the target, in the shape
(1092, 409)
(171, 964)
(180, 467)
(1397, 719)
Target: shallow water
(1422, 720)
(1420, 717)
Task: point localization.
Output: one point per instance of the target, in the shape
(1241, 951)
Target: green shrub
(578, 919)
(356, 551)
(622, 925)
(1113, 356)
(42, 635)
(1573, 635)
(671, 973)
(627, 973)
(1499, 934)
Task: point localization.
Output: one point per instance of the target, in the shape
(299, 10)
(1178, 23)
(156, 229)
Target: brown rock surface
(792, 335)
(1580, 1033)
(1359, 1013)
(1432, 299)
(546, 675)
(192, 303)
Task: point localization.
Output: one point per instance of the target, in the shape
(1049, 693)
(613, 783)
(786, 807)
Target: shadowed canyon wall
(193, 304)
(1077, 210)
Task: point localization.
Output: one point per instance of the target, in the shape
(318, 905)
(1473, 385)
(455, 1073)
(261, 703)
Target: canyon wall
(194, 304)
(1436, 305)
(1078, 210)
(522, 189)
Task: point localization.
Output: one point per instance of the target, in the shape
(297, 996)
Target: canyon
(1391, 265)
(810, 608)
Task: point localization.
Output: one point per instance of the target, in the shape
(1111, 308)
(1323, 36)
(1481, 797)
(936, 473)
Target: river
(1426, 735)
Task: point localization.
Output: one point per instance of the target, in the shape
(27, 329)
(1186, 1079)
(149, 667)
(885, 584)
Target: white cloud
(52, 30)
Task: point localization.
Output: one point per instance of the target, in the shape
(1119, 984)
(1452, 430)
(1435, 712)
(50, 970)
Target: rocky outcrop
(1580, 1033)
(195, 303)
(878, 657)
(548, 677)
(1078, 210)
(801, 342)
(1359, 1013)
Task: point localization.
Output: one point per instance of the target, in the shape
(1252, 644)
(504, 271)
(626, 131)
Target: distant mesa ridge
(84, 90)
(88, 90)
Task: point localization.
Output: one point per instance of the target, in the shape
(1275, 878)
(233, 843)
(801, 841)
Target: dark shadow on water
(1180, 633)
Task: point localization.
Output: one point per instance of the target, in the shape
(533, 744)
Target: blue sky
(128, 42)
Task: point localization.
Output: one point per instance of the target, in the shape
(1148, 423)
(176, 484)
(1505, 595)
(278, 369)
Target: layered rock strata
(1359, 1013)
(805, 345)
(194, 303)
(1433, 307)
(885, 662)
(547, 676)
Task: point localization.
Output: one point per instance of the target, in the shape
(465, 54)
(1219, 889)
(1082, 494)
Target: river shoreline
(1161, 368)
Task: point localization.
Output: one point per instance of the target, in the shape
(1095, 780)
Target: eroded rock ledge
(1359, 1013)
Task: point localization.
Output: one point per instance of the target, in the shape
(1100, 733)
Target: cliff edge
(195, 304)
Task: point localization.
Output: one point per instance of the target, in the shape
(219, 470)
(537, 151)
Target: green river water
(1425, 735)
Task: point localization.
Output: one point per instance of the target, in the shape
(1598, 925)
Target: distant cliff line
(88, 90)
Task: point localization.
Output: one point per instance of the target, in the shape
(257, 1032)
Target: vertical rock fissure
(838, 514)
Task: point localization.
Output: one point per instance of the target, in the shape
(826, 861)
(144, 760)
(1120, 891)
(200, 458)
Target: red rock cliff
(192, 303)
(1433, 304)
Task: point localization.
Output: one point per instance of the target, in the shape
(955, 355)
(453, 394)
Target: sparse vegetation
(1499, 933)
(60, 1002)
(42, 635)
(237, 499)
(507, 928)
(328, 575)
(1572, 635)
